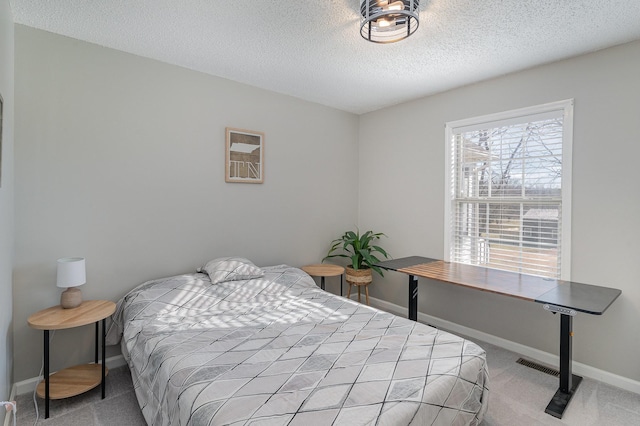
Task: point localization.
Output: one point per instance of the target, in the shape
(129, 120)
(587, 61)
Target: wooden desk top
(58, 318)
(580, 297)
(323, 270)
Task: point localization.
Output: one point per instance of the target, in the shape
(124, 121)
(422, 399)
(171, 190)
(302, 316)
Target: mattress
(277, 350)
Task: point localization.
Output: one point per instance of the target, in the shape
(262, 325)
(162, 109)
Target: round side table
(75, 380)
(324, 270)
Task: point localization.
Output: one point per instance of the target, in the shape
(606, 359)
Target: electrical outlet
(9, 405)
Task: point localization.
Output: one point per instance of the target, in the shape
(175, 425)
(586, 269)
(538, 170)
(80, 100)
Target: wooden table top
(581, 297)
(323, 270)
(58, 318)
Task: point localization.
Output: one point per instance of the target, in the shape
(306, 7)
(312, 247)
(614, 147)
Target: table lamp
(71, 274)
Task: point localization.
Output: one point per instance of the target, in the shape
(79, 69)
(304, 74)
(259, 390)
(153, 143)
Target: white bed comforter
(279, 351)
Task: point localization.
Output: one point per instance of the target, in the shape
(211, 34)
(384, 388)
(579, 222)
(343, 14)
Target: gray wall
(401, 193)
(6, 199)
(120, 159)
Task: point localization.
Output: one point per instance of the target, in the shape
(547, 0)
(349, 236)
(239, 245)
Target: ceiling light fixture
(388, 21)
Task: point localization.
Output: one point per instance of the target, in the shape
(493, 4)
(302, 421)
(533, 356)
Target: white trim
(527, 351)
(28, 385)
(448, 197)
(567, 159)
(508, 115)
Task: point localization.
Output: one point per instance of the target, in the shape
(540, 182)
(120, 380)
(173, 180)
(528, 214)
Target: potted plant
(362, 253)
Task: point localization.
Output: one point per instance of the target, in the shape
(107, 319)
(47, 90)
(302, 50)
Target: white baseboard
(529, 352)
(27, 386)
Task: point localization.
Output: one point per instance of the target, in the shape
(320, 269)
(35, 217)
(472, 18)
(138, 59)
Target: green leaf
(378, 270)
(380, 250)
(358, 249)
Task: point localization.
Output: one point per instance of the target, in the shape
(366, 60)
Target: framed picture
(244, 159)
(1, 102)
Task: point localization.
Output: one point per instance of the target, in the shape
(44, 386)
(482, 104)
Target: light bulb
(396, 5)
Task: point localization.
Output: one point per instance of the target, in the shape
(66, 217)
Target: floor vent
(539, 367)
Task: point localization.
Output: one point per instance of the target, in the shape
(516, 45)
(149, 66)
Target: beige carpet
(518, 397)
(119, 408)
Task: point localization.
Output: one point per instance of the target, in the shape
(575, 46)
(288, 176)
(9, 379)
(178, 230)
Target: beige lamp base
(71, 298)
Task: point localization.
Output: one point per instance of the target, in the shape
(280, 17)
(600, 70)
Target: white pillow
(231, 269)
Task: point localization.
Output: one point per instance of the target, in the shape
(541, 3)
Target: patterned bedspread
(279, 351)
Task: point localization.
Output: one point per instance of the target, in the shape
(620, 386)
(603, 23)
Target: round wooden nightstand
(324, 270)
(80, 378)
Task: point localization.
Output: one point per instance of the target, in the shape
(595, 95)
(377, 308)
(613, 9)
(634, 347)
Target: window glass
(508, 190)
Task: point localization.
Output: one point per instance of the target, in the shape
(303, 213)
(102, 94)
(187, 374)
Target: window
(508, 195)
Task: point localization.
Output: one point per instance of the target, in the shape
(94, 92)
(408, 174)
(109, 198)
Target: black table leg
(322, 282)
(340, 284)
(568, 381)
(97, 340)
(46, 374)
(413, 298)
(104, 351)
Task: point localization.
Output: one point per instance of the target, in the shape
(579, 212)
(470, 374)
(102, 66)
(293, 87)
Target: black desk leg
(340, 284)
(104, 352)
(413, 298)
(568, 381)
(322, 283)
(46, 374)
(97, 340)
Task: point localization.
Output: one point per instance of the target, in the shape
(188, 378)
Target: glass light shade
(388, 21)
(71, 272)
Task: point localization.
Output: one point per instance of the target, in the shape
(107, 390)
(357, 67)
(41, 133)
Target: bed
(219, 347)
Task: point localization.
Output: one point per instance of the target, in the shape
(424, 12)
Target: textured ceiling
(313, 49)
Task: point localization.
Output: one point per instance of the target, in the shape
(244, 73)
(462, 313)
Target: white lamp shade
(71, 272)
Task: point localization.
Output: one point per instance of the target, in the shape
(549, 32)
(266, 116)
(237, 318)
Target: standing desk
(557, 296)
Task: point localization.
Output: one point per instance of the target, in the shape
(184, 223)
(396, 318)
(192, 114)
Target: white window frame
(453, 127)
